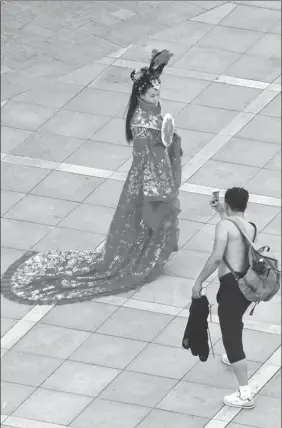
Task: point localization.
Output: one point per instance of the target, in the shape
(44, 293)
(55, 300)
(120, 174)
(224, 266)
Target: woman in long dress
(144, 230)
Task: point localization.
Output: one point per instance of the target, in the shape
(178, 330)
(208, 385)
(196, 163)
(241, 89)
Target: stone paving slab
(94, 154)
(6, 325)
(11, 138)
(74, 124)
(43, 406)
(252, 18)
(227, 97)
(25, 115)
(247, 152)
(51, 341)
(167, 362)
(265, 182)
(79, 378)
(13, 395)
(108, 351)
(63, 238)
(110, 414)
(37, 209)
(208, 60)
(73, 187)
(268, 46)
(230, 39)
(117, 362)
(205, 119)
(255, 68)
(28, 369)
(194, 399)
(273, 387)
(265, 405)
(217, 172)
(163, 419)
(264, 128)
(44, 146)
(273, 108)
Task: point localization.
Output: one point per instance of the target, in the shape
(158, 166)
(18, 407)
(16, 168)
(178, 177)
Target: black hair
(237, 199)
(142, 79)
(132, 104)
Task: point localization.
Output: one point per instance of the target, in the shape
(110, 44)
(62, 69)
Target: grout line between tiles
(229, 6)
(23, 326)
(224, 136)
(213, 423)
(37, 313)
(17, 422)
(16, 333)
(212, 77)
(184, 313)
(189, 169)
(205, 190)
(3, 417)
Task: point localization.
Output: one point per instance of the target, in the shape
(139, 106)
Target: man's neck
(236, 214)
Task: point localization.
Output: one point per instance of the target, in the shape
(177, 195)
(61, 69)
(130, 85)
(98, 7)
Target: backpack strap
(240, 226)
(256, 230)
(231, 269)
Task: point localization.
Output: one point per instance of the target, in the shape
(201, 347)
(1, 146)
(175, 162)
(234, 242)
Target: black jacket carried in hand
(196, 332)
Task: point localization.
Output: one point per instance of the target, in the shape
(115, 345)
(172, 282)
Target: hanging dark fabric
(196, 335)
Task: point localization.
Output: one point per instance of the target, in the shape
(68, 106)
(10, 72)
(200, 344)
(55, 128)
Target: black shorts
(232, 305)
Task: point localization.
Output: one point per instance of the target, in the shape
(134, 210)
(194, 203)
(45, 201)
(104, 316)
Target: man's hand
(197, 290)
(218, 207)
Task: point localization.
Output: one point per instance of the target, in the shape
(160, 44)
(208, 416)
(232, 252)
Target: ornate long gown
(143, 233)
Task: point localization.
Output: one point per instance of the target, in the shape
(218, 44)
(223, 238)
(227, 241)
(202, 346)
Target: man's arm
(213, 262)
(219, 208)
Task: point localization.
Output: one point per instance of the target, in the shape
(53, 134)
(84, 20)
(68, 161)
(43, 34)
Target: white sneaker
(225, 360)
(235, 400)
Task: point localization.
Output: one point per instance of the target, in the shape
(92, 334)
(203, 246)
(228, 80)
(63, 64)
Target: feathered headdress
(142, 76)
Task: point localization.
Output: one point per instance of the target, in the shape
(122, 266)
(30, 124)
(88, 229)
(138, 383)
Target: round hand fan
(167, 129)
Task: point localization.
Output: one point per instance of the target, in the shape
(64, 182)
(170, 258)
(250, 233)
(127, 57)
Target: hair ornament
(143, 76)
(138, 73)
(158, 61)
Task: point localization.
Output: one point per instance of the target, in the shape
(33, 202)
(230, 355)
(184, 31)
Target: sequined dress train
(143, 233)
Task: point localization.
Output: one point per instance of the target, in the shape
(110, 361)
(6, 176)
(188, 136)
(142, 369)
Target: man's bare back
(236, 251)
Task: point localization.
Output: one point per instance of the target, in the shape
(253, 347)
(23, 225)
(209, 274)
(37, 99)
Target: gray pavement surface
(117, 362)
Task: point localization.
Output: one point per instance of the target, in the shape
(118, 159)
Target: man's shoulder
(221, 229)
(229, 226)
(224, 223)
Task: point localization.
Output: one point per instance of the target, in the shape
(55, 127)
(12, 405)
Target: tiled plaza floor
(117, 362)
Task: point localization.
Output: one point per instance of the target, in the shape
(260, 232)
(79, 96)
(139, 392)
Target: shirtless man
(232, 304)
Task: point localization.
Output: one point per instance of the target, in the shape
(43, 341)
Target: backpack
(262, 280)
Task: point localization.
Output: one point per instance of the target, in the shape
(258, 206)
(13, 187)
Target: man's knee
(232, 337)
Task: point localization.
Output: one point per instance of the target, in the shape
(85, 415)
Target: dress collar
(149, 108)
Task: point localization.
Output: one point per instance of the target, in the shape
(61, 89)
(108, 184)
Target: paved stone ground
(118, 362)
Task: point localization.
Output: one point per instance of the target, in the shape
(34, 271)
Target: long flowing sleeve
(175, 153)
(156, 175)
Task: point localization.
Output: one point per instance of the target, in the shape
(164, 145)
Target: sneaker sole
(238, 406)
